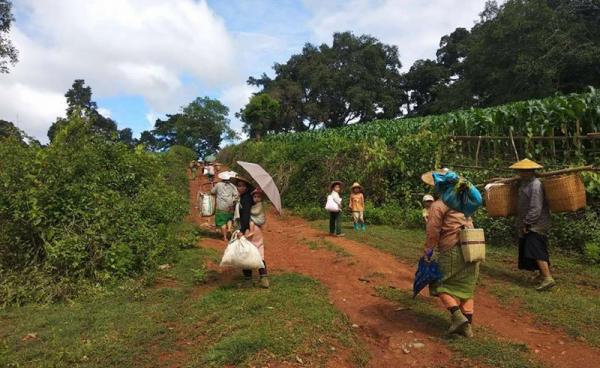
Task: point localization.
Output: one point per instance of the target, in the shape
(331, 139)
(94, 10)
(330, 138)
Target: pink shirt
(444, 225)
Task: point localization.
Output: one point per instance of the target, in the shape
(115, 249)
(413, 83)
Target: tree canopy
(520, 50)
(355, 79)
(8, 53)
(201, 126)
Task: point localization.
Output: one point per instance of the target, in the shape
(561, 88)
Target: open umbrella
(265, 181)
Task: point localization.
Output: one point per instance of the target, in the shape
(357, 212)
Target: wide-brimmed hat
(226, 175)
(334, 183)
(526, 164)
(428, 198)
(356, 185)
(237, 179)
(427, 178)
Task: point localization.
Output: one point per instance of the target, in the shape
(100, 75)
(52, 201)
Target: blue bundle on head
(457, 193)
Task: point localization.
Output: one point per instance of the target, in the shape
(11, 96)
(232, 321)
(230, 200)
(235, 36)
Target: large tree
(79, 101)
(202, 126)
(8, 53)
(261, 115)
(356, 79)
(520, 50)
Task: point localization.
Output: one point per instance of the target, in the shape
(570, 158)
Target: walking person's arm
(434, 228)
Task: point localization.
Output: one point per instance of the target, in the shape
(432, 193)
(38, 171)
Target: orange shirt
(444, 225)
(357, 202)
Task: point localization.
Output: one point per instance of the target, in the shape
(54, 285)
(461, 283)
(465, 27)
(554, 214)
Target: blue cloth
(457, 193)
(427, 273)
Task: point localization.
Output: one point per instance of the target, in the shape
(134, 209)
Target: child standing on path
(427, 202)
(357, 206)
(334, 207)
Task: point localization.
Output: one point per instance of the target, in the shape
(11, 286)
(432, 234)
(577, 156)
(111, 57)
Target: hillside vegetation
(388, 156)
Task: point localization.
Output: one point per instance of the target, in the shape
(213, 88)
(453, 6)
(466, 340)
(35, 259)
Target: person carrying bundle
(533, 224)
(456, 289)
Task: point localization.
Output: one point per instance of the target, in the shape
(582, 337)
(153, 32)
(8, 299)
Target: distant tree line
(520, 50)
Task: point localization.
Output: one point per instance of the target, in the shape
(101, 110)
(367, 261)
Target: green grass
(173, 320)
(327, 245)
(574, 305)
(483, 348)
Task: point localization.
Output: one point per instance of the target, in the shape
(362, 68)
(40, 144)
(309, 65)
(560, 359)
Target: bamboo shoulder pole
(546, 174)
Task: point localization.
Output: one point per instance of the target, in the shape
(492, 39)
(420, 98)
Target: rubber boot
(547, 284)
(467, 330)
(247, 283)
(355, 226)
(264, 282)
(457, 321)
(364, 227)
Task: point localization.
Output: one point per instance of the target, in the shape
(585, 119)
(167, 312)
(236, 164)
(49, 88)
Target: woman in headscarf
(457, 287)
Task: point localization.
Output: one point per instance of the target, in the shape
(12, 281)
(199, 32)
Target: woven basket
(472, 244)
(501, 200)
(565, 193)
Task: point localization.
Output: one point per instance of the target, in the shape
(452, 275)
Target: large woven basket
(501, 200)
(565, 193)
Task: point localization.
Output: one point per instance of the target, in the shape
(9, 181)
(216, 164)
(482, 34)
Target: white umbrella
(265, 181)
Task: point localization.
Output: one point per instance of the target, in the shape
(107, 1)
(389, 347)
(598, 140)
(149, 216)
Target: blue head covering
(457, 193)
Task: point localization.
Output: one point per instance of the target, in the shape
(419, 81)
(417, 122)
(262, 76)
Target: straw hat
(237, 179)
(428, 198)
(356, 185)
(427, 178)
(334, 183)
(526, 164)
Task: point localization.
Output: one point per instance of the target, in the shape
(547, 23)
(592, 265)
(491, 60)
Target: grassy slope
(578, 311)
(179, 321)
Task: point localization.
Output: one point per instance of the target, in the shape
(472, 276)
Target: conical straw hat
(526, 164)
(427, 178)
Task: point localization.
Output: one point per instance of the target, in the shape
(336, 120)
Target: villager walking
(226, 197)
(456, 289)
(533, 224)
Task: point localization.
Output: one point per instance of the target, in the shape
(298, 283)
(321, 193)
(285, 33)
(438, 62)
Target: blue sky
(147, 58)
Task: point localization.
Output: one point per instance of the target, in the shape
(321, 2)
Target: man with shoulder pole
(533, 224)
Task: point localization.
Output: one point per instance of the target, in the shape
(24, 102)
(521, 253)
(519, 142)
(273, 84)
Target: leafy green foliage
(88, 208)
(8, 53)
(519, 50)
(201, 126)
(356, 79)
(261, 116)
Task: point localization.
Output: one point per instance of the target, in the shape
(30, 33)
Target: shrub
(87, 209)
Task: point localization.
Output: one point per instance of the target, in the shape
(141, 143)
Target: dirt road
(381, 326)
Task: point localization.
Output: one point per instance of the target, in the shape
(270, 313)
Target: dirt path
(380, 325)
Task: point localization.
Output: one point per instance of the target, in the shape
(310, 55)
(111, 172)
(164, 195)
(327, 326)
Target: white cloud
(415, 26)
(139, 47)
(104, 112)
(235, 98)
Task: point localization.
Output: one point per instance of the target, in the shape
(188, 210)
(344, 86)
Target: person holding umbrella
(533, 223)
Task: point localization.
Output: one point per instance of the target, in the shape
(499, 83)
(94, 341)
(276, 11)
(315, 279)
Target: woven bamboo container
(565, 193)
(501, 200)
(472, 244)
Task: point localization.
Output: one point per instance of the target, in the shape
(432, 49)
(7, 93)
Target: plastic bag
(331, 206)
(208, 205)
(241, 253)
(457, 193)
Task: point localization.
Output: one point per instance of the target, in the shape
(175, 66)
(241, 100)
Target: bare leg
(224, 232)
(544, 269)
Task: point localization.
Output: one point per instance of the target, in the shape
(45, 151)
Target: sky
(147, 58)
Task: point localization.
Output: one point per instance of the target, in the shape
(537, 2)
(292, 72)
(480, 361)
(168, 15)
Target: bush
(87, 209)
